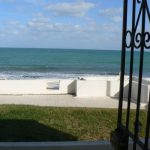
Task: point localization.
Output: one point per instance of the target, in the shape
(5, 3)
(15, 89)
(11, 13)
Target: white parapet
(91, 88)
(144, 92)
(35, 87)
(98, 88)
(110, 88)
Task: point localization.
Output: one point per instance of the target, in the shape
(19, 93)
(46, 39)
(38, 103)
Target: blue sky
(87, 24)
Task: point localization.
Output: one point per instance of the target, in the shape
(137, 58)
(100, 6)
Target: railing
(138, 40)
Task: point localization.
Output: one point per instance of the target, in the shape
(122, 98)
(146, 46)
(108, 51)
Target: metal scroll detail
(139, 1)
(147, 40)
(136, 37)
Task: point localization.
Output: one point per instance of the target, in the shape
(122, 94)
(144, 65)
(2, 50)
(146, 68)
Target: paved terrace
(63, 101)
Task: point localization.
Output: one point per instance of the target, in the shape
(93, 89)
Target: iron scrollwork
(135, 38)
(128, 35)
(138, 40)
(139, 1)
(147, 40)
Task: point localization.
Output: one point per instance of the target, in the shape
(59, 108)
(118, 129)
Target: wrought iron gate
(139, 39)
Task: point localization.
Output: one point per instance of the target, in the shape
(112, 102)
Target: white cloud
(43, 26)
(115, 14)
(117, 18)
(12, 28)
(111, 12)
(76, 9)
(42, 32)
(36, 24)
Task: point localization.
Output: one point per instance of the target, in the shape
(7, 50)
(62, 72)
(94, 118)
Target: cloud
(111, 11)
(38, 22)
(40, 31)
(37, 28)
(12, 28)
(75, 9)
(42, 25)
(117, 18)
(115, 14)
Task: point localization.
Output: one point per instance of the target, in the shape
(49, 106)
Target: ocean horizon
(43, 63)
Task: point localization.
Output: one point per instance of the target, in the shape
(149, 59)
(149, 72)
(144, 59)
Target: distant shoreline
(78, 49)
(59, 48)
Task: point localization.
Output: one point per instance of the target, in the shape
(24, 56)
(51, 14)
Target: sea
(40, 63)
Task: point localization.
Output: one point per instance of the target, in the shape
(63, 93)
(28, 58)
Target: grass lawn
(31, 123)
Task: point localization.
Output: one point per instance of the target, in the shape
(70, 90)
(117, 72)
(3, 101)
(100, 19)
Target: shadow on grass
(30, 131)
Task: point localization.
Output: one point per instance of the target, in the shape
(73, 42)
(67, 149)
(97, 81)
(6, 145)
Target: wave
(48, 75)
(60, 68)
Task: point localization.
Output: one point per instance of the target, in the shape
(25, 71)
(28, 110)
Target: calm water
(60, 63)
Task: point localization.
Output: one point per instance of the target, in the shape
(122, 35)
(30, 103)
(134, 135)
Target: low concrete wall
(33, 87)
(114, 87)
(110, 88)
(91, 88)
(144, 92)
(67, 86)
(98, 88)
(72, 87)
(80, 88)
(23, 87)
(144, 81)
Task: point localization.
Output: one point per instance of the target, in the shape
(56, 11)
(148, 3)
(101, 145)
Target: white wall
(102, 88)
(144, 92)
(89, 88)
(98, 88)
(67, 86)
(32, 87)
(72, 87)
(81, 88)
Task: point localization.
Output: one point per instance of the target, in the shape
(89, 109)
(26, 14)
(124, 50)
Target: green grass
(30, 123)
